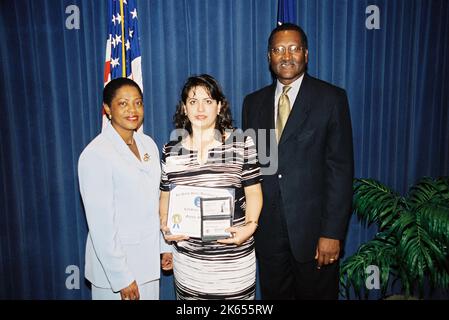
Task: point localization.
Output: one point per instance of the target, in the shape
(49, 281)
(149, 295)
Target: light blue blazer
(121, 201)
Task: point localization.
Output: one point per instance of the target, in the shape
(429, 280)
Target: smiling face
(126, 109)
(287, 66)
(201, 109)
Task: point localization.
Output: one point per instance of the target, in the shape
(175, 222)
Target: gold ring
(331, 260)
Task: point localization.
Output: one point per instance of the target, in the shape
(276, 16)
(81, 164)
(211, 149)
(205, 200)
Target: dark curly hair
(224, 119)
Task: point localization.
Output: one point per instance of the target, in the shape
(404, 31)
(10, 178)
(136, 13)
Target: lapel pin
(146, 157)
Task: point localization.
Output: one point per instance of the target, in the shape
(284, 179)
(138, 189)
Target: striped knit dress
(210, 270)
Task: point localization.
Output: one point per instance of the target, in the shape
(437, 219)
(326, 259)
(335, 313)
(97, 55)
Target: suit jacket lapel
(299, 112)
(266, 118)
(268, 109)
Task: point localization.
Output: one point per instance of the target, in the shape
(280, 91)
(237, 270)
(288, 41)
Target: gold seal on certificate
(176, 220)
(200, 212)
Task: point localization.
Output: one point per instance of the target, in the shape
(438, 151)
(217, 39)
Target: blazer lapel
(145, 154)
(299, 112)
(121, 146)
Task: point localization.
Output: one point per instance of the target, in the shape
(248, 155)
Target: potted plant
(412, 242)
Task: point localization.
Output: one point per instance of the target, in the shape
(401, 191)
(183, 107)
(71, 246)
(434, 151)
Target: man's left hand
(327, 251)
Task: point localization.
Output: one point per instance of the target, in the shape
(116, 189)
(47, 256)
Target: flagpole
(123, 40)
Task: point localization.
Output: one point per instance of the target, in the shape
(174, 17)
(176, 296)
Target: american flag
(286, 11)
(123, 57)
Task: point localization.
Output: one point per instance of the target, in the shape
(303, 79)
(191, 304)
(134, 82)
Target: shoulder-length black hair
(224, 119)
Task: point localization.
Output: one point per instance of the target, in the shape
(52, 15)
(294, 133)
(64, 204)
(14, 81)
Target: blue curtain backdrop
(397, 79)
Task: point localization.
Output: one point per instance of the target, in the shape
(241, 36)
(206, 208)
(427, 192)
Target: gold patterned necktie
(283, 111)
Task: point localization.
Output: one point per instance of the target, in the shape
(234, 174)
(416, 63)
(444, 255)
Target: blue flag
(286, 11)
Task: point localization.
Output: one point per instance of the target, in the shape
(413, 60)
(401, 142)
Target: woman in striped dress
(211, 154)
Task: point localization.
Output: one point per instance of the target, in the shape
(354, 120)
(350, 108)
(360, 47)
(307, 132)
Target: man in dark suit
(307, 202)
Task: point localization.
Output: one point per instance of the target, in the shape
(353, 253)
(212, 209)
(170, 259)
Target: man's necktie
(283, 111)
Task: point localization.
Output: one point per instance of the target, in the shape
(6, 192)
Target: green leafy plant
(412, 242)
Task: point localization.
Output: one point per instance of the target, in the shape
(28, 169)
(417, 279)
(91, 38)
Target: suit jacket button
(280, 176)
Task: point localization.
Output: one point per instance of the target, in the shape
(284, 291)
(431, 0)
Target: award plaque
(216, 216)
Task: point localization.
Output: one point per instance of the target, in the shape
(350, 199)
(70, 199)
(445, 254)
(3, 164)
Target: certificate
(216, 216)
(184, 208)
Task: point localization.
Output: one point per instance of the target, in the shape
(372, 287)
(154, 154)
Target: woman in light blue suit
(119, 174)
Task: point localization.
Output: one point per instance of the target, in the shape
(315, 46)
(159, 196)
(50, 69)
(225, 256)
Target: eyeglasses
(279, 51)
